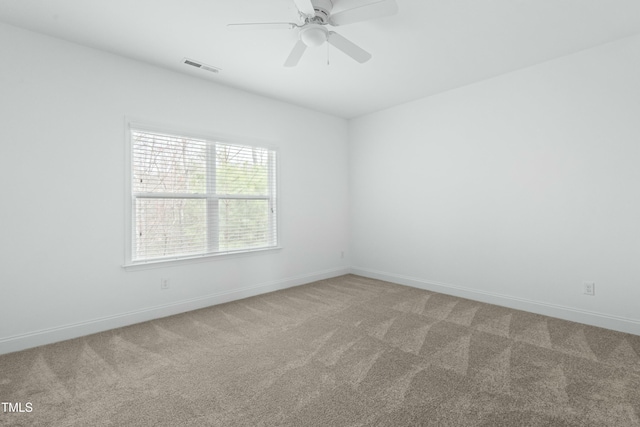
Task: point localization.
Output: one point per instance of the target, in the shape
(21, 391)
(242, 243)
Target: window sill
(171, 262)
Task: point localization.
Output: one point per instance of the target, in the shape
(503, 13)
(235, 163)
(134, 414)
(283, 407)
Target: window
(193, 197)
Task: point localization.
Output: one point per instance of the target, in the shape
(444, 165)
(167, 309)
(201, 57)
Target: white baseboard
(631, 326)
(62, 333)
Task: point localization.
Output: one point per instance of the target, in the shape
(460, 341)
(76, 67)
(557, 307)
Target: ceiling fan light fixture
(313, 35)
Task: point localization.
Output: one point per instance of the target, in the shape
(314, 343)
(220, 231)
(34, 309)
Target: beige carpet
(348, 351)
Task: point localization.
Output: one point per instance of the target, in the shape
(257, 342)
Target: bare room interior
(373, 213)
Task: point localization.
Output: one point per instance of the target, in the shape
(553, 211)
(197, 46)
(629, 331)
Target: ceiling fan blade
(348, 47)
(305, 6)
(377, 9)
(262, 26)
(296, 54)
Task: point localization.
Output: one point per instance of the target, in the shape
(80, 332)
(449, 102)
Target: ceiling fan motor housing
(323, 10)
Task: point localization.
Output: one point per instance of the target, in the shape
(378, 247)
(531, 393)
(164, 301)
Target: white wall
(63, 109)
(514, 190)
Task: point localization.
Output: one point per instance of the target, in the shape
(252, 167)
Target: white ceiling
(430, 46)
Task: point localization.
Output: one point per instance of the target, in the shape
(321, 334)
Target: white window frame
(212, 200)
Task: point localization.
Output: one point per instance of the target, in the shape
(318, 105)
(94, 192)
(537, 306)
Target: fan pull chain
(328, 62)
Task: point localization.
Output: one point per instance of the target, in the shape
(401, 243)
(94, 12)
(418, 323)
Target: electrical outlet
(589, 288)
(164, 284)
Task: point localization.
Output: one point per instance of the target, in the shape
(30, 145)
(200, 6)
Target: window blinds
(195, 197)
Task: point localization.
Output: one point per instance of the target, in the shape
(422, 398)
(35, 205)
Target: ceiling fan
(316, 15)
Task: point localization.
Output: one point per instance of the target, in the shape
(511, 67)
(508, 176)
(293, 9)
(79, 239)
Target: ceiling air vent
(200, 65)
